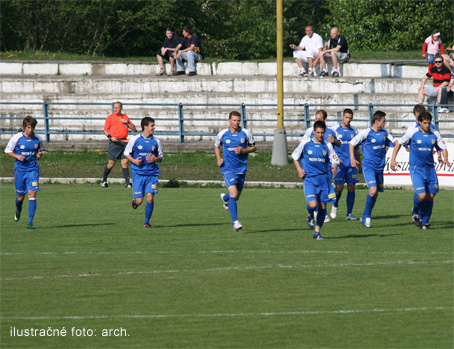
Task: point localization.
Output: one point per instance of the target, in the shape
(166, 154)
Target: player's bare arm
(217, 152)
(393, 158)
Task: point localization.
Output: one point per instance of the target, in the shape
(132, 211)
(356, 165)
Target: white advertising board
(401, 177)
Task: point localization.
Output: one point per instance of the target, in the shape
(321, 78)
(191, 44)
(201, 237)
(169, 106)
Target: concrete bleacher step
(158, 85)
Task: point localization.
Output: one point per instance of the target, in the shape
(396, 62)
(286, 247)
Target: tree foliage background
(229, 29)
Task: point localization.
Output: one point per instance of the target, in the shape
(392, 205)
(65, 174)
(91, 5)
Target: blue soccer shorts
(144, 184)
(234, 179)
(346, 175)
(373, 178)
(25, 181)
(319, 188)
(424, 179)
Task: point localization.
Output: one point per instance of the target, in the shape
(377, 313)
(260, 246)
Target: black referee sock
(126, 175)
(106, 173)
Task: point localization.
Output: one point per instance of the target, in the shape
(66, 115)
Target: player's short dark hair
(146, 121)
(188, 29)
(425, 115)
(118, 102)
(319, 124)
(234, 113)
(378, 115)
(324, 113)
(29, 120)
(170, 29)
(347, 111)
(419, 108)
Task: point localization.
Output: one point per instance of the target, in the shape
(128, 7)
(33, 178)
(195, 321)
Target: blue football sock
(427, 211)
(233, 208)
(370, 203)
(338, 196)
(31, 209)
(417, 206)
(350, 201)
(19, 205)
(321, 217)
(311, 210)
(148, 211)
(226, 197)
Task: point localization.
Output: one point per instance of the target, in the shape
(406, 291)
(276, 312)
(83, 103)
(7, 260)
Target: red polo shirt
(115, 127)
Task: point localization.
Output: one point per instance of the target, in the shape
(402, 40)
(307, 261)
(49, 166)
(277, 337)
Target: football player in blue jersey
(374, 141)
(316, 157)
(144, 151)
(344, 132)
(330, 136)
(25, 147)
(422, 142)
(236, 144)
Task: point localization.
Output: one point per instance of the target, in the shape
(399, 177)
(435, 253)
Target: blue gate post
(181, 122)
(243, 116)
(436, 122)
(371, 113)
(46, 121)
(307, 117)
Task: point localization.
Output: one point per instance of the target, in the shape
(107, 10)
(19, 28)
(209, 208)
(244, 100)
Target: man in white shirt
(307, 51)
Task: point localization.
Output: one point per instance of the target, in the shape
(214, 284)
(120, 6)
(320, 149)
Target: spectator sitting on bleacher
(336, 51)
(441, 76)
(167, 50)
(190, 50)
(307, 51)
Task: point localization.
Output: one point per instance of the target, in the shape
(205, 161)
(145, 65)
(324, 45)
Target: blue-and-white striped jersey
(143, 147)
(374, 147)
(344, 136)
(315, 157)
(27, 147)
(234, 163)
(422, 145)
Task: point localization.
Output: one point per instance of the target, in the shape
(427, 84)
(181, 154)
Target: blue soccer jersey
(234, 163)
(139, 146)
(374, 147)
(27, 147)
(422, 146)
(344, 135)
(315, 157)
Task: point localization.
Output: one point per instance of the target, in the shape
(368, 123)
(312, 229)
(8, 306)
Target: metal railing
(181, 119)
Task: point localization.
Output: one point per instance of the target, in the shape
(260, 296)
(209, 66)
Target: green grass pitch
(191, 281)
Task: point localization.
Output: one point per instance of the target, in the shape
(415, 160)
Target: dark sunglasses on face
(438, 61)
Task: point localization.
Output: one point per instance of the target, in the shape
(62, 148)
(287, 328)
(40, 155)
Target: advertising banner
(401, 177)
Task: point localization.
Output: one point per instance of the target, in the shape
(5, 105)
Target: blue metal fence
(181, 119)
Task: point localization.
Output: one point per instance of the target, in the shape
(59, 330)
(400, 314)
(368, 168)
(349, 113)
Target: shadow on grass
(351, 236)
(77, 225)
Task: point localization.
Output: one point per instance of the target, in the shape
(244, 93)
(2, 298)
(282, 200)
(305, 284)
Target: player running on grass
(316, 157)
(144, 151)
(25, 147)
(374, 141)
(345, 174)
(236, 143)
(422, 142)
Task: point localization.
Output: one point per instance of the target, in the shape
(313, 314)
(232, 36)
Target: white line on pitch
(216, 252)
(281, 266)
(292, 313)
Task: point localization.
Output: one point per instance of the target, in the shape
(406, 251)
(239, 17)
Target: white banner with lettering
(402, 175)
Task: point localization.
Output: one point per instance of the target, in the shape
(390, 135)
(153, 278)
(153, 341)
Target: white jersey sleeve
(298, 152)
(130, 146)
(308, 133)
(250, 138)
(12, 143)
(440, 142)
(405, 139)
(332, 154)
(217, 142)
(160, 152)
(360, 137)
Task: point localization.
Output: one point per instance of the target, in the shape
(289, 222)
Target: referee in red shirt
(116, 128)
